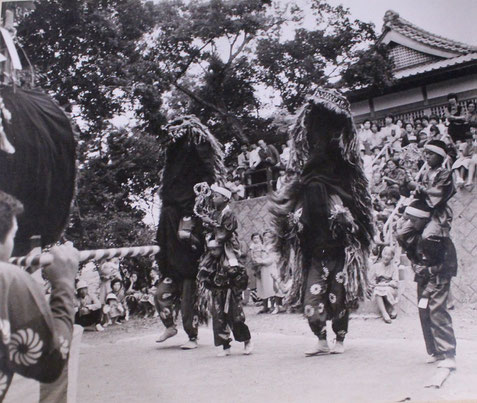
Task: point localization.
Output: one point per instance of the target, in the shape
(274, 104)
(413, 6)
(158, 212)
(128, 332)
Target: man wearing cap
(87, 307)
(435, 187)
(434, 262)
(35, 335)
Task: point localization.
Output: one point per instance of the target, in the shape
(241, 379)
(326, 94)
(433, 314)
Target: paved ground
(382, 363)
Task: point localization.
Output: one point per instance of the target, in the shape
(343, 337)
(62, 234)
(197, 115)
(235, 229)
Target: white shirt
(254, 158)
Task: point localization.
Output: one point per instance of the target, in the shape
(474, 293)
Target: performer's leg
(382, 308)
(424, 316)
(315, 301)
(219, 320)
(190, 317)
(340, 325)
(164, 300)
(337, 297)
(441, 321)
(236, 318)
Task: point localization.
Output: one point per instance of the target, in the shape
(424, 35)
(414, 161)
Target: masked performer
(323, 218)
(192, 155)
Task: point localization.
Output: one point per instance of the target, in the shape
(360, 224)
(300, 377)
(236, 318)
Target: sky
(453, 19)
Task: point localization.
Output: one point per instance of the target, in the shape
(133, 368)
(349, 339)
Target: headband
(436, 149)
(414, 211)
(221, 190)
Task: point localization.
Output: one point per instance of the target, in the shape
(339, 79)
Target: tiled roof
(441, 64)
(392, 21)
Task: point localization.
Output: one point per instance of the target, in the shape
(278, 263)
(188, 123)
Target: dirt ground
(383, 363)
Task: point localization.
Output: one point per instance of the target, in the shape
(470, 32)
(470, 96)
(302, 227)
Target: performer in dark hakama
(323, 219)
(222, 273)
(434, 261)
(193, 155)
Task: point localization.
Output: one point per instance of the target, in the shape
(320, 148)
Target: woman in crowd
(394, 175)
(377, 140)
(471, 116)
(268, 267)
(385, 280)
(409, 134)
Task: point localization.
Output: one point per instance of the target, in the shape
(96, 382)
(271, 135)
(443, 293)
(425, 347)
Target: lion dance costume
(193, 155)
(323, 218)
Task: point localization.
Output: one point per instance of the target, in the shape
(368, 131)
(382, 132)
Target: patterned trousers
(170, 294)
(227, 313)
(324, 296)
(436, 322)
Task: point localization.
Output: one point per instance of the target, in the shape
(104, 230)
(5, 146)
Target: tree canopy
(236, 64)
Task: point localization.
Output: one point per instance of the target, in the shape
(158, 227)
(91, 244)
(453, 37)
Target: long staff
(34, 262)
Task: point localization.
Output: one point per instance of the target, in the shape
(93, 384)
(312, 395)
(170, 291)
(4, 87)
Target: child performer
(435, 187)
(221, 272)
(434, 262)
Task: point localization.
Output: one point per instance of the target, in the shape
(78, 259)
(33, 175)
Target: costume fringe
(203, 303)
(196, 133)
(284, 207)
(355, 265)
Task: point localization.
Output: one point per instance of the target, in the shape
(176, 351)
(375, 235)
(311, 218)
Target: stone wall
(253, 217)
(464, 235)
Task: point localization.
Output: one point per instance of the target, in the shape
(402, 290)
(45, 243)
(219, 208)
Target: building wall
(412, 103)
(397, 99)
(458, 85)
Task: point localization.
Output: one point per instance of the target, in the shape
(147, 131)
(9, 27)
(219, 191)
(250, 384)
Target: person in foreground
(35, 336)
(434, 261)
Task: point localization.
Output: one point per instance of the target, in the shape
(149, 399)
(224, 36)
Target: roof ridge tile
(393, 21)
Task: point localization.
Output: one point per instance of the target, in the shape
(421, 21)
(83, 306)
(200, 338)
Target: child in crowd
(107, 272)
(221, 272)
(237, 189)
(281, 288)
(113, 310)
(146, 305)
(256, 251)
(87, 308)
(377, 183)
(385, 280)
(118, 290)
(281, 179)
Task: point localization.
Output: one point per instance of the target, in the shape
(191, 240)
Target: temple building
(427, 67)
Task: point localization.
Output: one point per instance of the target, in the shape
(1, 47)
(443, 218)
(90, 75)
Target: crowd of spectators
(393, 156)
(110, 294)
(259, 168)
